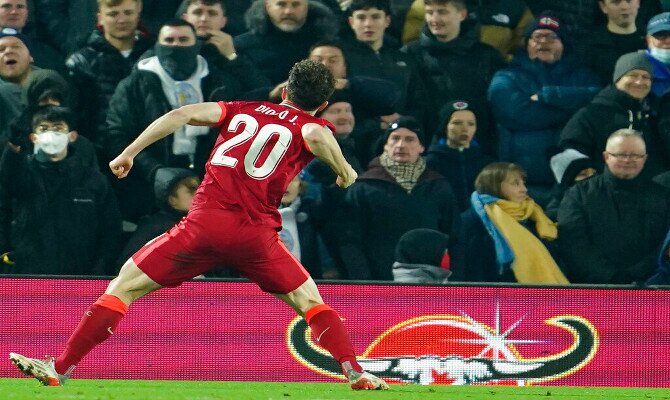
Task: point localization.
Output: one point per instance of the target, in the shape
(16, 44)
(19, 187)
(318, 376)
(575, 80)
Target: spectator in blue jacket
(535, 97)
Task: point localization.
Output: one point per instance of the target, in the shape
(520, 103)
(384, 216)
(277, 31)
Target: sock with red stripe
(97, 324)
(329, 332)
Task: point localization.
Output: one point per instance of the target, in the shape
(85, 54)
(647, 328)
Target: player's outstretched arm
(206, 114)
(323, 145)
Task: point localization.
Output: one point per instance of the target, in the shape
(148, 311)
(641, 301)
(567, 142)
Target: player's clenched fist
(348, 180)
(121, 165)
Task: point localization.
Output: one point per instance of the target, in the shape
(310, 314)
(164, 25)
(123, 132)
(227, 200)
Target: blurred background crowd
(495, 140)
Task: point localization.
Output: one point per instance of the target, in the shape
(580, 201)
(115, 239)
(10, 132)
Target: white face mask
(51, 142)
(662, 55)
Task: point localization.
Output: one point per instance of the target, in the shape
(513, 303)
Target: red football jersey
(259, 150)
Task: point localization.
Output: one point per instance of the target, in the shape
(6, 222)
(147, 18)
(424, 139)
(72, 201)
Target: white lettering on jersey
(261, 138)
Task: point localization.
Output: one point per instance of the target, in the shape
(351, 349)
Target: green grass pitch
(29, 389)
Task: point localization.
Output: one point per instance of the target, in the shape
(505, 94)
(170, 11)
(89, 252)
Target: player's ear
(283, 93)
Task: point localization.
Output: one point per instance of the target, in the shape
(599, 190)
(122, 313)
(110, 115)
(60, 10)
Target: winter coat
(137, 102)
(380, 211)
(601, 49)
(95, 71)
(273, 51)
(65, 216)
(393, 66)
(501, 23)
(459, 69)
(587, 131)
(527, 128)
(610, 229)
(473, 258)
(460, 167)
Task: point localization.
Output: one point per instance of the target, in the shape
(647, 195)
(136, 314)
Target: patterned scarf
(406, 174)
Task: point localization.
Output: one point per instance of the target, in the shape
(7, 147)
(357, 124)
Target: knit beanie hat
(406, 122)
(13, 32)
(423, 246)
(629, 62)
(449, 109)
(548, 20)
(567, 165)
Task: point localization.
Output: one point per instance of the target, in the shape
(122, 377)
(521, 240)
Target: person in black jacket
(108, 56)
(217, 47)
(605, 43)
(611, 226)
(454, 63)
(396, 194)
(175, 76)
(66, 218)
(369, 52)
(623, 104)
(456, 155)
(281, 33)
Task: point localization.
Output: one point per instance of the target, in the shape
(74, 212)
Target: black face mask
(178, 61)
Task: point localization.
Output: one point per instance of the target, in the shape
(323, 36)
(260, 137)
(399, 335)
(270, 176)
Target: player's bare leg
(329, 332)
(97, 324)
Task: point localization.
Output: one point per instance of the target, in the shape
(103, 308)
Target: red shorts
(205, 240)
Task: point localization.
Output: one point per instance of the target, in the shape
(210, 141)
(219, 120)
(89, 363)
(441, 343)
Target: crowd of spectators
(495, 141)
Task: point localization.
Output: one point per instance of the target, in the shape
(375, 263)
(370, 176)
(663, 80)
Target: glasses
(548, 37)
(621, 156)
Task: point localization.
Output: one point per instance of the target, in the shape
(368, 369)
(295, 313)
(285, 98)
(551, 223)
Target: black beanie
(422, 246)
(449, 109)
(548, 20)
(405, 122)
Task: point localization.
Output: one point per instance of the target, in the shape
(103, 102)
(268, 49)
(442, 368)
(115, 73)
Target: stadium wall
(216, 330)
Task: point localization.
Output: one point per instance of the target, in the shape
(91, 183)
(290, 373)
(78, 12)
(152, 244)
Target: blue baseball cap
(659, 23)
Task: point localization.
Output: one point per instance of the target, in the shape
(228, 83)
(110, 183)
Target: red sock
(328, 332)
(97, 324)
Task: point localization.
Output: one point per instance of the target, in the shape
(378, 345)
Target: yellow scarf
(532, 261)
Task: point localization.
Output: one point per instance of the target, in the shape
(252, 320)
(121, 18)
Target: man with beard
(174, 75)
(281, 33)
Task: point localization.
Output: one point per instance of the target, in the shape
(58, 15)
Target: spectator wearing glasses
(623, 104)
(611, 226)
(547, 82)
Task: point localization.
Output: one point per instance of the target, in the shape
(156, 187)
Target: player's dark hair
(309, 84)
(52, 114)
(175, 22)
(383, 5)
